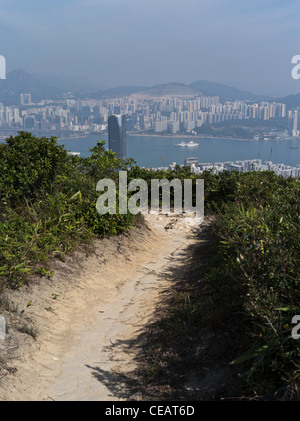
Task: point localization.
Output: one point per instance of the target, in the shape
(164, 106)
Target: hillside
(225, 92)
(74, 84)
(119, 91)
(226, 298)
(19, 81)
(182, 90)
(291, 101)
(170, 89)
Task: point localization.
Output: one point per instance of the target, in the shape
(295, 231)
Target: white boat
(191, 143)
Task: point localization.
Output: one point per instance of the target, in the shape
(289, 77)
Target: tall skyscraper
(117, 135)
(295, 124)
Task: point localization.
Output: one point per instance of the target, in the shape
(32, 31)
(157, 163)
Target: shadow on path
(173, 361)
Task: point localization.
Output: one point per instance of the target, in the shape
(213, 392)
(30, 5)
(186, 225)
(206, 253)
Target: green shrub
(48, 203)
(256, 276)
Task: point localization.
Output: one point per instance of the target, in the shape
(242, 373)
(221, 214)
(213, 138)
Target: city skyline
(249, 45)
(240, 166)
(157, 115)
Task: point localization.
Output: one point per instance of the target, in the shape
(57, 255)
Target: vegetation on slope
(254, 281)
(246, 297)
(47, 203)
(249, 291)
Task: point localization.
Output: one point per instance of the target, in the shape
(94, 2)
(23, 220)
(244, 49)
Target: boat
(191, 143)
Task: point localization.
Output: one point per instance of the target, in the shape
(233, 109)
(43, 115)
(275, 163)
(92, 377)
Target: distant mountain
(19, 81)
(180, 89)
(291, 101)
(54, 87)
(166, 89)
(74, 84)
(227, 93)
(115, 92)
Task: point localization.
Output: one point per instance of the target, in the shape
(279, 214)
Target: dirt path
(89, 314)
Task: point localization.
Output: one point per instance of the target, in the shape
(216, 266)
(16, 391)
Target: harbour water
(155, 151)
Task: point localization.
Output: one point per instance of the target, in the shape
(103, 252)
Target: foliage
(47, 207)
(254, 281)
(252, 289)
(47, 203)
(30, 164)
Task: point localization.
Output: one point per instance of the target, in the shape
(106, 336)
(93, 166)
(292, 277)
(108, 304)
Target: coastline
(143, 134)
(183, 136)
(135, 134)
(73, 137)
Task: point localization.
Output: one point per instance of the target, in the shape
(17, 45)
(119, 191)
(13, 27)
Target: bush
(48, 203)
(30, 165)
(255, 280)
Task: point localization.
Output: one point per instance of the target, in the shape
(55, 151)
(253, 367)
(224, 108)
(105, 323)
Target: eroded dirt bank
(89, 314)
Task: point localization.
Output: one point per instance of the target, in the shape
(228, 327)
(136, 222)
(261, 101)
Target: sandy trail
(90, 314)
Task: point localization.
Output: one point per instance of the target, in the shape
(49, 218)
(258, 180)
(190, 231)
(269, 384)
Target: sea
(162, 151)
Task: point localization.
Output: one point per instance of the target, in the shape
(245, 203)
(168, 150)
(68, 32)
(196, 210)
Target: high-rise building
(117, 135)
(25, 99)
(295, 124)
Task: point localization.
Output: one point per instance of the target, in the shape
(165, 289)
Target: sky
(245, 44)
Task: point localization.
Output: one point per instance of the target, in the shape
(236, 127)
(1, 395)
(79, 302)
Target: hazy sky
(247, 44)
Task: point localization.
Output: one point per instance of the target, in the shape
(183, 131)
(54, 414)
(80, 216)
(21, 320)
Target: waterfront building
(295, 124)
(117, 135)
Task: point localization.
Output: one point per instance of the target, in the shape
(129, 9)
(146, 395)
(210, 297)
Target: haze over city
(248, 45)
